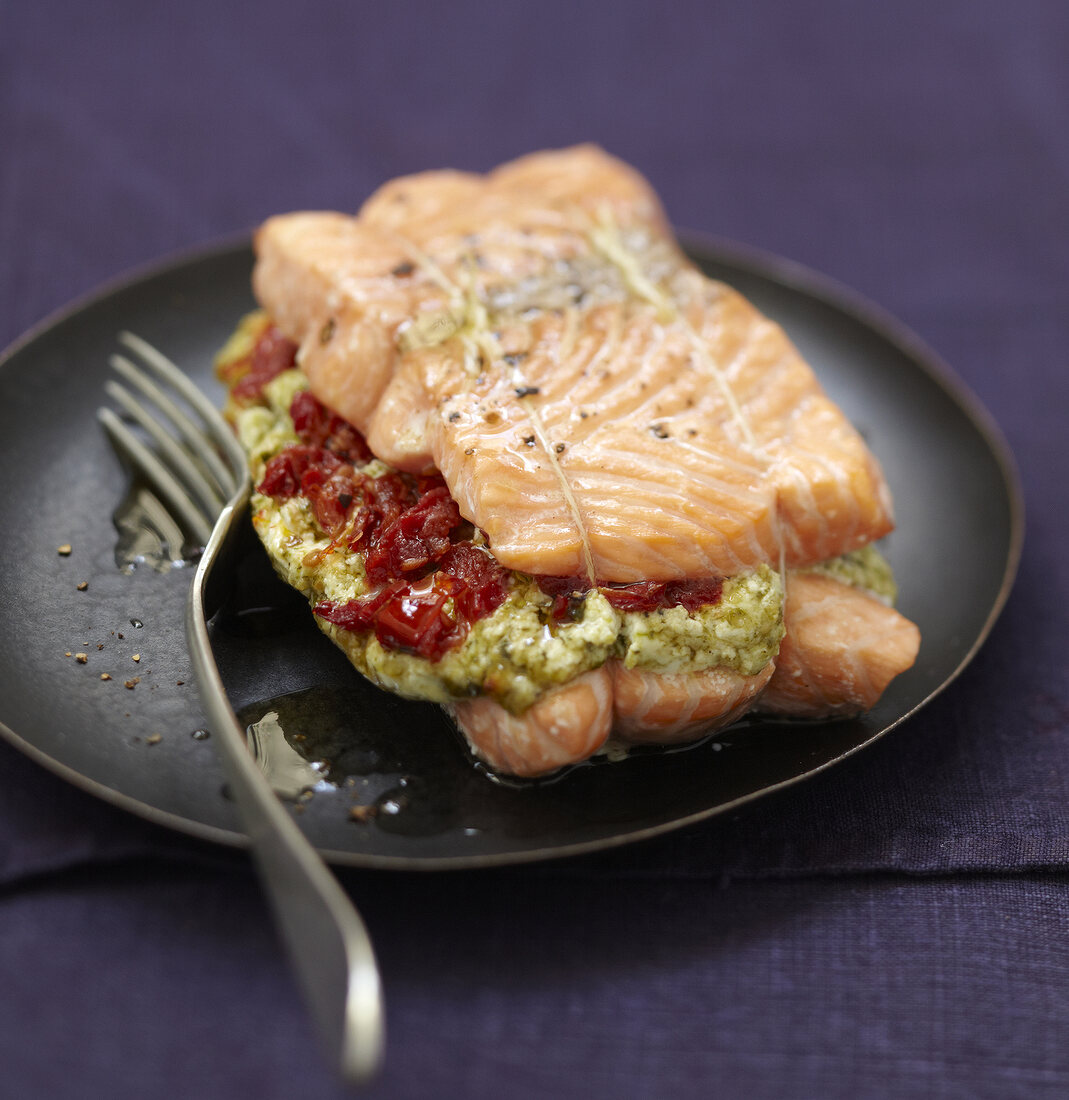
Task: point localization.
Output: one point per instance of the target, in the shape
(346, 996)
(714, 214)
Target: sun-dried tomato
(385, 498)
(357, 614)
(654, 595)
(332, 497)
(317, 426)
(416, 619)
(484, 582)
(296, 469)
(638, 596)
(567, 593)
(328, 482)
(562, 586)
(430, 616)
(415, 538)
(408, 617)
(270, 356)
(694, 594)
(283, 473)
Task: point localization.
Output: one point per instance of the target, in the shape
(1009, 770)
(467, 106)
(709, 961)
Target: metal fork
(198, 469)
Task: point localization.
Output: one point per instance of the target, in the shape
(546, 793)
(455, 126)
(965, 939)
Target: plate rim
(789, 273)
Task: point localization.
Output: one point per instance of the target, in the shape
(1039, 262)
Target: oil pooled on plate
(327, 739)
(147, 535)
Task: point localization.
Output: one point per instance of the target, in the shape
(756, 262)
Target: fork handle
(326, 939)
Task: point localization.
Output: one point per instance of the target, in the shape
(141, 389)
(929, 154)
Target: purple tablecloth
(898, 926)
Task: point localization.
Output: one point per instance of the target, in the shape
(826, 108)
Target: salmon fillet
(841, 650)
(601, 413)
(596, 406)
(567, 725)
(664, 709)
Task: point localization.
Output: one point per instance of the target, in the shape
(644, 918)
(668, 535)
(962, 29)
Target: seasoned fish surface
(596, 406)
(539, 469)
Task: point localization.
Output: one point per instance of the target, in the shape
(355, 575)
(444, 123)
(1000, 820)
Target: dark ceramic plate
(142, 747)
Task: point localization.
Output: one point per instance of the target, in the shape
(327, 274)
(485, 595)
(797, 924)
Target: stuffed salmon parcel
(526, 461)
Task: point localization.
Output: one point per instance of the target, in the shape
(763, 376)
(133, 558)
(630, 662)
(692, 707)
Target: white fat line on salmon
(569, 333)
(479, 341)
(466, 317)
(606, 238)
(551, 454)
(468, 312)
(608, 346)
(700, 349)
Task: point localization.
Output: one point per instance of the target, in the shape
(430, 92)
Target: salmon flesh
(599, 410)
(595, 404)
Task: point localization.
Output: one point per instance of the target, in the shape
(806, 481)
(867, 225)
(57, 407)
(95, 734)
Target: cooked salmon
(663, 709)
(841, 650)
(603, 415)
(567, 725)
(597, 406)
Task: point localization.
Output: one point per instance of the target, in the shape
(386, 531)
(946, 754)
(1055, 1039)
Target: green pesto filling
(743, 631)
(866, 569)
(519, 651)
(513, 655)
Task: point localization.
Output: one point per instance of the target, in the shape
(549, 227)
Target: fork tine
(211, 416)
(163, 481)
(193, 435)
(179, 461)
(326, 939)
(166, 526)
